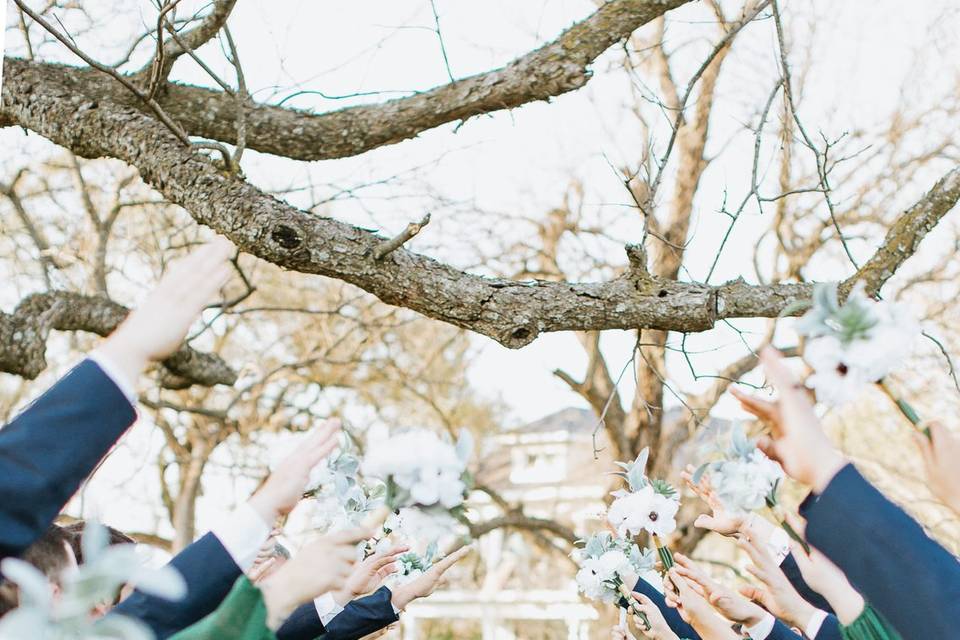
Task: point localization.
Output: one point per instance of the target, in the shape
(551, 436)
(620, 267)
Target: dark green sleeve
(869, 625)
(241, 616)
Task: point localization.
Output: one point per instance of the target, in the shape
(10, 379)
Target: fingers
(195, 278)
(769, 448)
(318, 445)
(375, 519)
(765, 410)
(752, 593)
(704, 521)
(451, 559)
(776, 371)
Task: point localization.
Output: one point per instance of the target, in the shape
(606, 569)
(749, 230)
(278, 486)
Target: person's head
(75, 530)
(51, 554)
(114, 536)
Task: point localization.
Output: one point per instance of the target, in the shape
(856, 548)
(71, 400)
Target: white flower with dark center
(835, 378)
(659, 516)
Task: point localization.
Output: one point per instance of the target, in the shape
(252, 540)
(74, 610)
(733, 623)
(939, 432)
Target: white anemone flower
(836, 378)
(659, 518)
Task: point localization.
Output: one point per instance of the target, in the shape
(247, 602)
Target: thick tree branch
(23, 337)
(513, 313)
(904, 236)
(556, 68)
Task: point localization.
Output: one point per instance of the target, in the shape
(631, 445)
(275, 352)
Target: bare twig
(400, 239)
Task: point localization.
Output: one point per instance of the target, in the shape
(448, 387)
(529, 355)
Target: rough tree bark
(513, 313)
(23, 338)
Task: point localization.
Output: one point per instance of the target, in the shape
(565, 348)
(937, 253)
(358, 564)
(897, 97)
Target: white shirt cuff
(327, 608)
(779, 544)
(814, 623)
(242, 534)
(126, 386)
(762, 629)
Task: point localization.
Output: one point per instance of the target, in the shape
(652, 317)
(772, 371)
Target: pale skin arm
(776, 595)
(369, 575)
(424, 585)
(693, 607)
(725, 600)
(825, 578)
(940, 452)
(796, 440)
(321, 566)
(659, 629)
(155, 329)
(284, 488)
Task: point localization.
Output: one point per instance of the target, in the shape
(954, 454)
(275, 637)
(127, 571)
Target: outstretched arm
(48, 450)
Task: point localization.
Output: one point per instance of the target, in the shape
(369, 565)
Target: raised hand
(369, 574)
(797, 440)
(690, 602)
(941, 451)
(284, 488)
(659, 629)
(619, 633)
(423, 585)
(155, 329)
(720, 520)
(725, 600)
(321, 566)
(776, 595)
(826, 578)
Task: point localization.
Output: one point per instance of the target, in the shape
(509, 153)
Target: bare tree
(186, 143)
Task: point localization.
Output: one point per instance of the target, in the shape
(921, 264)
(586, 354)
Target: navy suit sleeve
(829, 630)
(792, 571)
(360, 617)
(781, 631)
(48, 450)
(907, 577)
(674, 621)
(209, 572)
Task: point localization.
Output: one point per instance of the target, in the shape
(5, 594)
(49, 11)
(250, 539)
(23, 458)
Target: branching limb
(24, 333)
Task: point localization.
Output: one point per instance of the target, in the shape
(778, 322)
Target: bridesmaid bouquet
(646, 505)
(412, 565)
(605, 562)
(343, 498)
(420, 469)
(105, 570)
(855, 344)
(745, 479)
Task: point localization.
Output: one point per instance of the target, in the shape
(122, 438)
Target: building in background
(519, 588)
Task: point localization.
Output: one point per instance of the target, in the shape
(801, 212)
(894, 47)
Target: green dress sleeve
(242, 616)
(869, 625)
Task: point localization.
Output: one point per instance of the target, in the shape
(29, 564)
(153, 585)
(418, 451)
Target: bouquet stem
(782, 521)
(666, 558)
(631, 604)
(908, 411)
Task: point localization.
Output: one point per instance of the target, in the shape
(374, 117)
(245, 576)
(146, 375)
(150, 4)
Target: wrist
(825, 471)
(800, 615)
(278, 603)
(400, 598)
(264, 507)
(343, 596)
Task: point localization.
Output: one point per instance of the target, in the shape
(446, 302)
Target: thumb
(754, 594)
(705, 521)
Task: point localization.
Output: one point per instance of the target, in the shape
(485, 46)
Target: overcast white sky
(521, 162)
